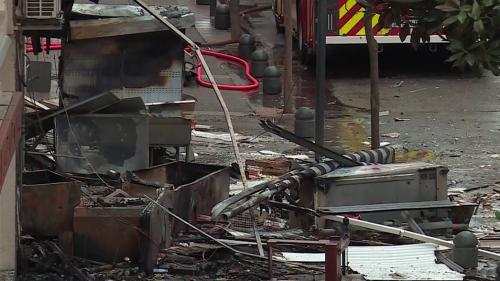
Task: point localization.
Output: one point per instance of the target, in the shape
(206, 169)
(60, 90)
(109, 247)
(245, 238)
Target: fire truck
(345, 25)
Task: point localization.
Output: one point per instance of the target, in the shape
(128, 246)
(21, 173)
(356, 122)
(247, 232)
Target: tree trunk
(374, 78)
(234, 10)
(288, 95)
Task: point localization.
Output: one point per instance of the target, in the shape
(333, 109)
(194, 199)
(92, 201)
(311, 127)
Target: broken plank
(86, 29)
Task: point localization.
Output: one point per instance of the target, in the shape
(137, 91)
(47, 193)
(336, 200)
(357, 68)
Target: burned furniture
(133, 227)
(380, 193)
(111, 234)
(117, 51)
(48, 200)
(192, 189)
(92, 143)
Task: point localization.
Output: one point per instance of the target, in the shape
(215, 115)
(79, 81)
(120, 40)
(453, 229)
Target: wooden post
(321, 15)
(288, 95)
(234, 11)
(374, 78)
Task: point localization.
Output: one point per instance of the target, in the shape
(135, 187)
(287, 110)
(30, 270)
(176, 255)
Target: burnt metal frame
(334, 153)
(335, 260)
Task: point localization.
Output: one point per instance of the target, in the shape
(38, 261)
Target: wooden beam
(86, 29)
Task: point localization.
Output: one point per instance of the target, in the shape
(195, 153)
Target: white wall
(8, 219)
(8, 192)
(7, 47)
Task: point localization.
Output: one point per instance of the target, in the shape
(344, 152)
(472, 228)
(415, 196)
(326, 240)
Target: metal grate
(42, 9)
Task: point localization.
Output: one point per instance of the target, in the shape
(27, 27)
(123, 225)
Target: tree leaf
(456, 2)
(447, 8)
(466, 8)
(462, 17)
(454, 57)
(488, 3)
(470, 59)
(404, 32)
(450, 20)
(387, 20)
(478, 26)
(476, 44)
(456, 45)
(476, 11)
(495, 44)
(415, 38)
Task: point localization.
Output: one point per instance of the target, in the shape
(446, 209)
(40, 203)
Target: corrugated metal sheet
(407, 262)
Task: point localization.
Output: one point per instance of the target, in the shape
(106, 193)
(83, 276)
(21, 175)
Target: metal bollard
(246, 46)
(304, 122)
(465, 250)
(222, 19)
(258, 63)
(213, 6)
(202, 2)
(271, 84)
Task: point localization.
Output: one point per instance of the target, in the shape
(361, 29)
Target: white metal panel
(387, 39)
(406, 262)
(42, 9)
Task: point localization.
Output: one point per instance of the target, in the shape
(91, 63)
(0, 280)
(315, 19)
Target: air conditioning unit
(42, 9)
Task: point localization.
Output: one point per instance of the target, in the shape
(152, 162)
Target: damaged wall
(148, 65)
(10, 110)
(7, 48)
(8, 219)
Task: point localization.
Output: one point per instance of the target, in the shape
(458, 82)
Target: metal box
(42, 9)
(135, 65)
(170, 131)
(195, 189)
(378, 184)
(46, 194)
(102, 142)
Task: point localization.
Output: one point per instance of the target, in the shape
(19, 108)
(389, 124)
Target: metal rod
(217, 92)
(56, 155)
(372, 44)
(320, 73)
(405, 233)
(288, 95)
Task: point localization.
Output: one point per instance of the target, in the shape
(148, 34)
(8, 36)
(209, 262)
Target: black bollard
(271, 84)
(258, 63)
(222, 19)
(246, 46)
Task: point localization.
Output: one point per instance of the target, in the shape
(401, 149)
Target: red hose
(199, 72)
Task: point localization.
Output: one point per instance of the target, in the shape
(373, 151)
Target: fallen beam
(405, 233)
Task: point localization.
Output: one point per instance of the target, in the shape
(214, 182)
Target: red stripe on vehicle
(349, 15)
(356, 28)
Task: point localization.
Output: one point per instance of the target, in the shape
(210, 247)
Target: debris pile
(104, 199)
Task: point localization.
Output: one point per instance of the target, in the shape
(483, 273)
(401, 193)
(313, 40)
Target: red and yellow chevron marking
(351, 22)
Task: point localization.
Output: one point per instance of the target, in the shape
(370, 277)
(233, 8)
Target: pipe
(199, 72)
(404, 233)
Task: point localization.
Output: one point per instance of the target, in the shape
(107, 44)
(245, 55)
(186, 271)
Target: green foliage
(471, 26)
